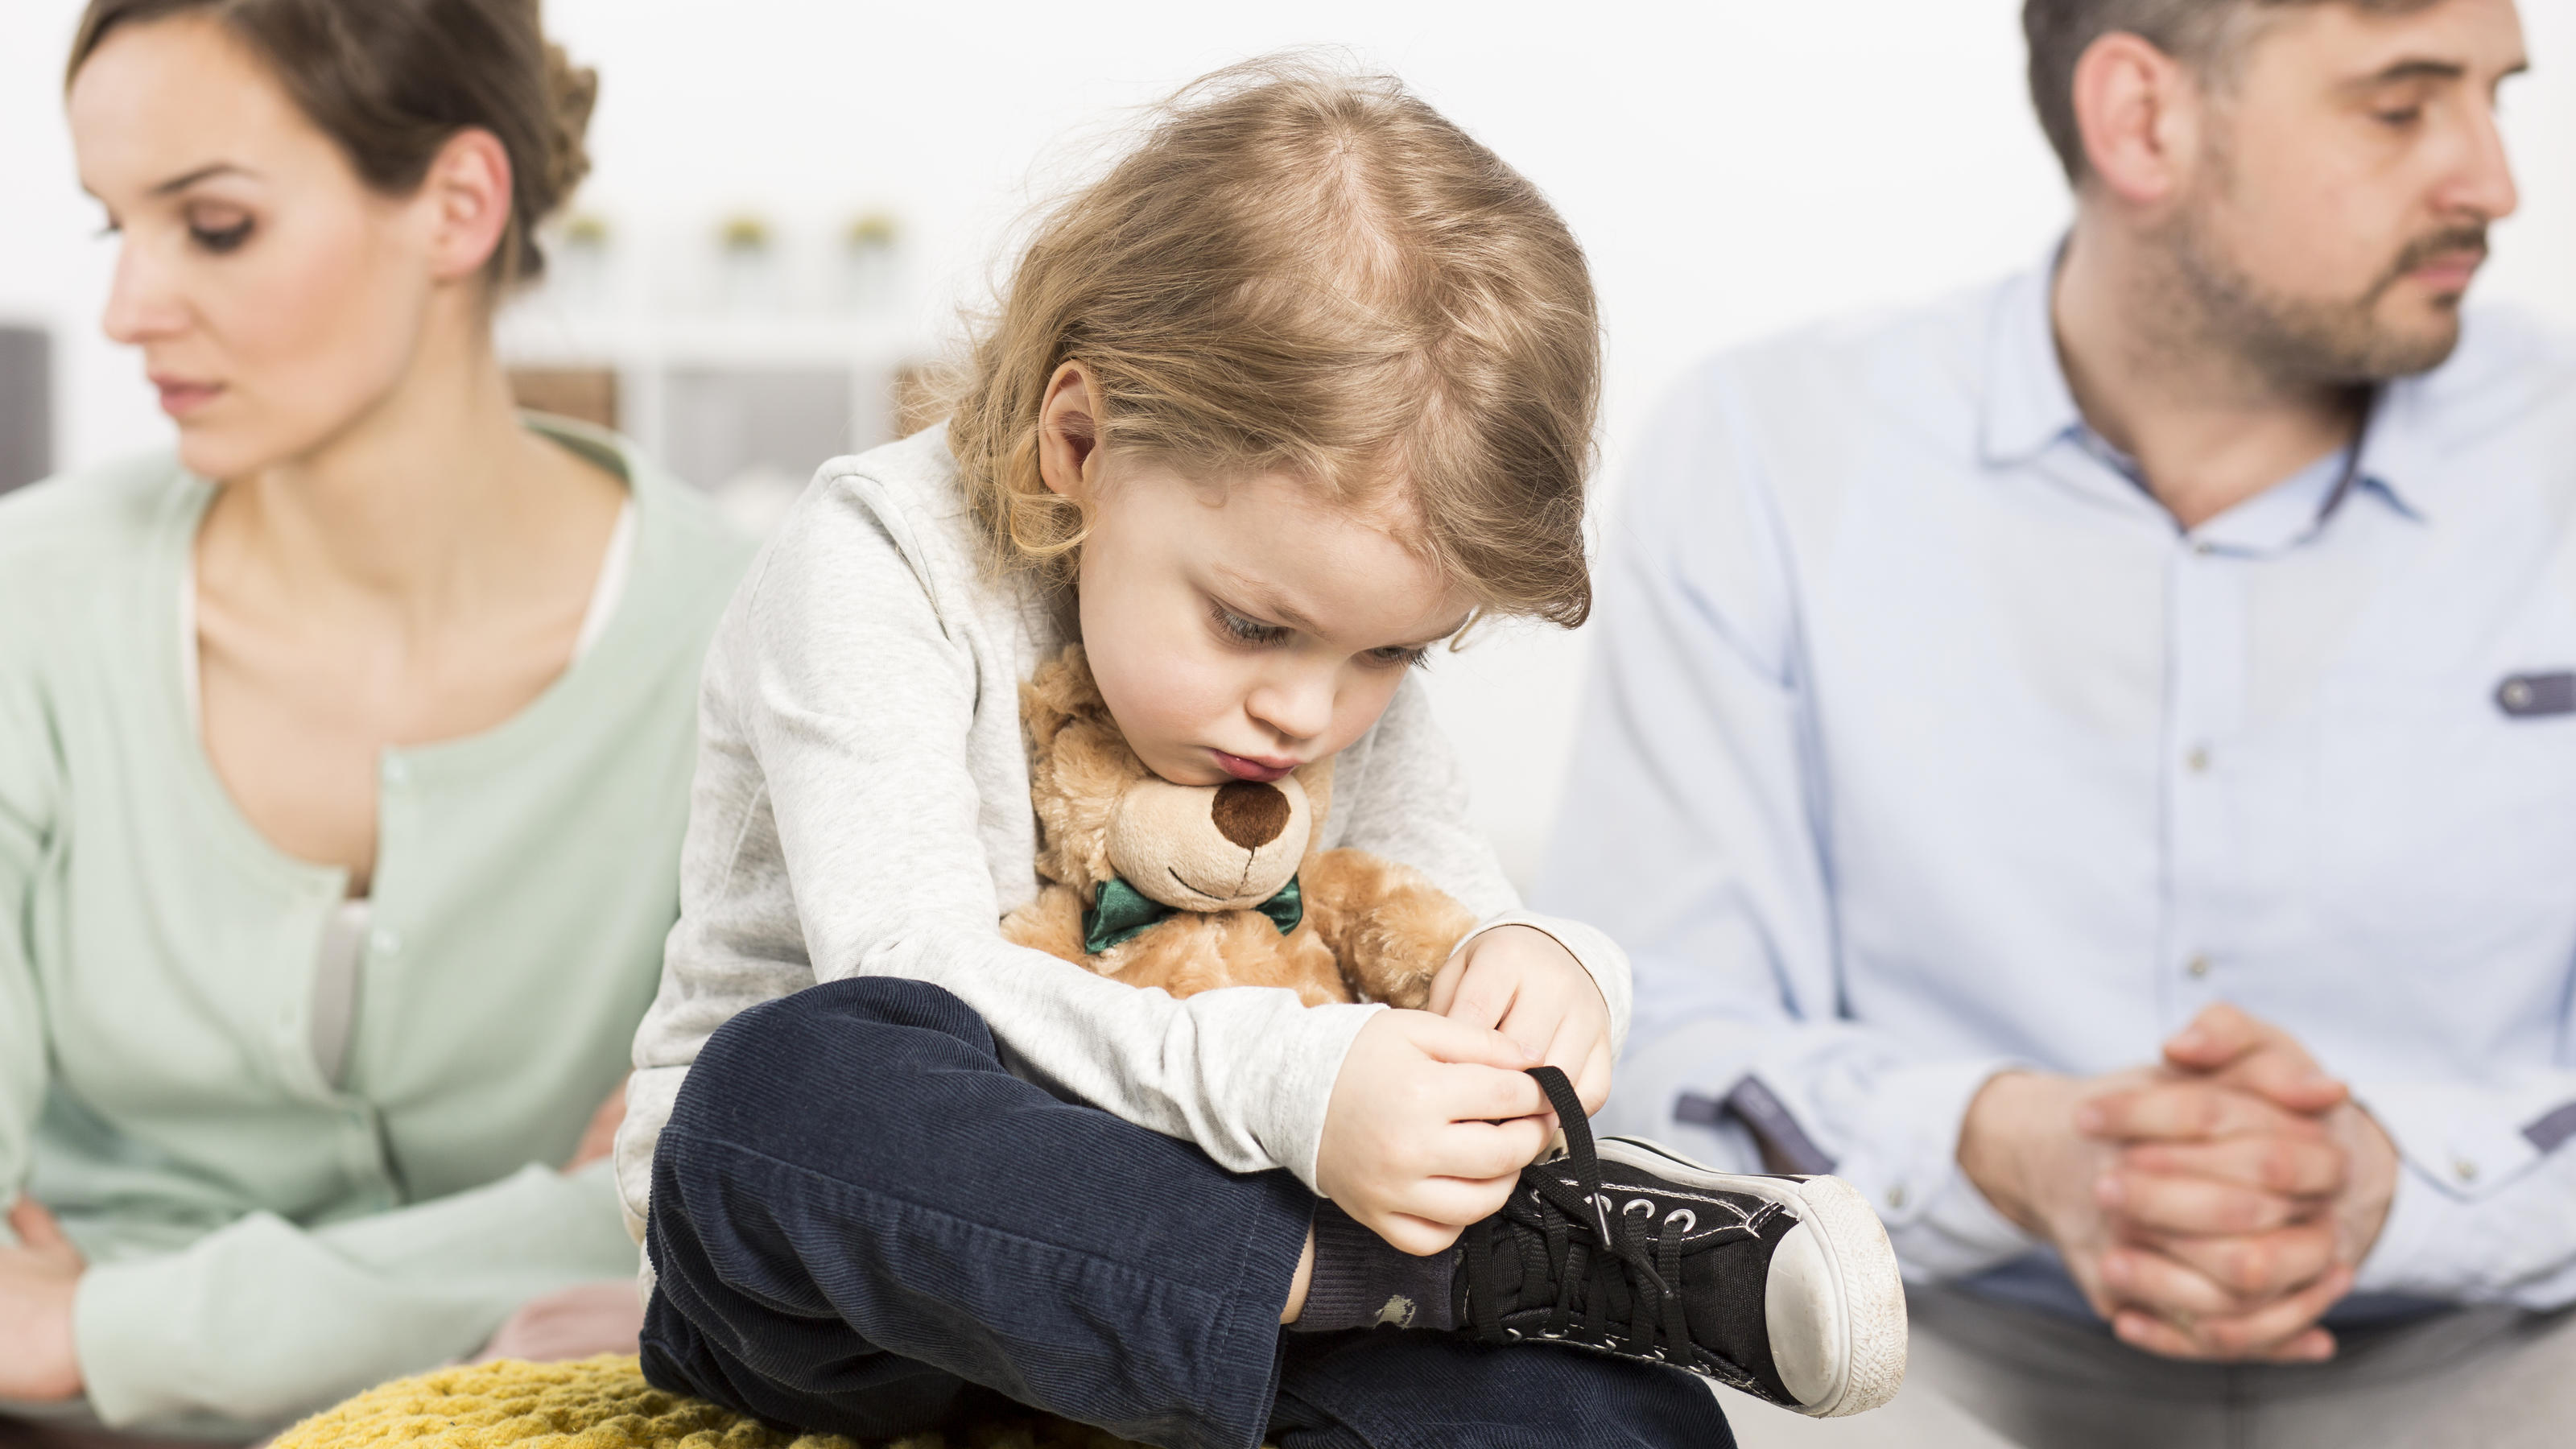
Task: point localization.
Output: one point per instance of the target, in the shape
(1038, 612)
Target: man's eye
(2400, 119)
(220, 240)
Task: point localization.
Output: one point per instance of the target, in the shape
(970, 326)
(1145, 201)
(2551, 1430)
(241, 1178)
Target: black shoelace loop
(1646, 1254)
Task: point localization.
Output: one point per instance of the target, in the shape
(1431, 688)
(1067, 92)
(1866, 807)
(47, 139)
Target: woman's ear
(467, 195)
(1069, 434)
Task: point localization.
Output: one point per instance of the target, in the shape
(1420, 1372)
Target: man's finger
(2291, 1166)
(2189, 1111)
(2140, 1201)
(2272, 1329)
(2215, 1038)
(2142, 1330)
(2165, 1287)
(2257, 1266)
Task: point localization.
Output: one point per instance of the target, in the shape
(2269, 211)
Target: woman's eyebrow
(182, 183)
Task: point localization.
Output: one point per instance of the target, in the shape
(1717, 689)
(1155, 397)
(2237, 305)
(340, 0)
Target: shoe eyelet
(1689, 1219)
(1635, 1203)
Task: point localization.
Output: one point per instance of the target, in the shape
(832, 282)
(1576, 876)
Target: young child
(1301, 387)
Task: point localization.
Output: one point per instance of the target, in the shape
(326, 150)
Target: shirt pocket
(2448, 819)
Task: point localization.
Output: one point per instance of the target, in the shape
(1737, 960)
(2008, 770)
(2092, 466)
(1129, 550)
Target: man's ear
(1069, 433)
(467, 193)
(2140, 112)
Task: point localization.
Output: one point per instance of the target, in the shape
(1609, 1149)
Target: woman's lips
(1248, 769)
(179, 399)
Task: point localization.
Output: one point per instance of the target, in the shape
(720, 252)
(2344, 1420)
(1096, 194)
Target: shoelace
(1628, 1250)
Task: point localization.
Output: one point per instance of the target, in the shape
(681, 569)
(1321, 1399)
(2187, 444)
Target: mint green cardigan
(261, 1243)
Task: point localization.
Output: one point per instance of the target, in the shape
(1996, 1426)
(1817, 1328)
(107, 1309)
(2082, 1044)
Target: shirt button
(2198, 966)
(386, 940)
(2465, 1170)
(2517, 694)
(2203, 547)
(1896, 1196)
(2198, 759)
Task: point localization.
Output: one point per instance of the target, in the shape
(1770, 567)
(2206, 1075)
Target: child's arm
(840, 828)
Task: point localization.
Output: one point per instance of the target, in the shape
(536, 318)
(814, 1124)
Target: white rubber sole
(1835, 1302)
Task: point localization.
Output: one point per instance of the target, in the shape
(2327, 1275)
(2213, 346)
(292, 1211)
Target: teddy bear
(1192, 887)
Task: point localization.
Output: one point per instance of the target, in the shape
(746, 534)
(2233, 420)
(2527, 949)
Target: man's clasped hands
(2213, 1206)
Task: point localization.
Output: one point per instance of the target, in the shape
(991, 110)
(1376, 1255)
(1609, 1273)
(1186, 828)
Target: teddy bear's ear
(1079, 765)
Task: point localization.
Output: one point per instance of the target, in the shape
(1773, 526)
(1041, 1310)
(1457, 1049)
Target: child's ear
(1069, 433)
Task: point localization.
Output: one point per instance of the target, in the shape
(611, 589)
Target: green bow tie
(1122, 911)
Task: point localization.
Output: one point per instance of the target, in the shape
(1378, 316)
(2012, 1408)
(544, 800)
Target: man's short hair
(2204, 34)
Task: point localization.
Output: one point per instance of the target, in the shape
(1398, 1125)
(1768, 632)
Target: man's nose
(2485, 183)
(1250, 813)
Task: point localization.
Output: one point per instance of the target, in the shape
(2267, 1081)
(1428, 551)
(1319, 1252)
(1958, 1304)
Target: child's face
(1241, 630)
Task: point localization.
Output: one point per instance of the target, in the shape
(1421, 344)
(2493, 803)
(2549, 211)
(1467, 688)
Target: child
(1300, 388)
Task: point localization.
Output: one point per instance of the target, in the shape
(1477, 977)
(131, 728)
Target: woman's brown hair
(391, 80)
(1304, 271)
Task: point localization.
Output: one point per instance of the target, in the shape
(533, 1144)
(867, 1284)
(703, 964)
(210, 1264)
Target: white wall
(1734, 166)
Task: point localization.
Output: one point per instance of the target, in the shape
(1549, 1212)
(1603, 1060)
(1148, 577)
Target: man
(2094, 764)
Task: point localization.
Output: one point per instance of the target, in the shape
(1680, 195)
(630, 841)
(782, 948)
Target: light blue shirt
(1924, 743)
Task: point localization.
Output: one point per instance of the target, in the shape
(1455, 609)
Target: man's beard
(2302, 342)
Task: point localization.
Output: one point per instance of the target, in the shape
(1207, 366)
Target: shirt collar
(2029, 408)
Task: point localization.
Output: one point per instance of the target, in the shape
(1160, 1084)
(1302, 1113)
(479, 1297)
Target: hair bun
(574, 90)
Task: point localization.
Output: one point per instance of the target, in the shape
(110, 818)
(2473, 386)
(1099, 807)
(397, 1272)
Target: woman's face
(276, 298)
(1240, 630)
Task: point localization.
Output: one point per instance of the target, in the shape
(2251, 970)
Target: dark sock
(1361, 1280)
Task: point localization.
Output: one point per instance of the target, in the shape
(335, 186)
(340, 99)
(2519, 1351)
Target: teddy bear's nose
(1250, 813)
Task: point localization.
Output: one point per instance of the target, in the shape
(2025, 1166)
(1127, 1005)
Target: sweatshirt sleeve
(834, 752)
(1695, 823)
(262, 1321)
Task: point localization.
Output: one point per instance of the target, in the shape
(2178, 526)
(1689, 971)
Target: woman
(343, 755)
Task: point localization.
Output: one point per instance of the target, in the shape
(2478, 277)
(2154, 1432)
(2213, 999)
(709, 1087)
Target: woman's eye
(2402, 118)
(1247, 631)
(220, 239)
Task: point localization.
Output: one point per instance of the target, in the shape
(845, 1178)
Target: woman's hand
(38, 1362)
(1521, 982)
(599, 1139)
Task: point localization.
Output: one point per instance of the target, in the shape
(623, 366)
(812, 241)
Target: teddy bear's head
(1102, 814)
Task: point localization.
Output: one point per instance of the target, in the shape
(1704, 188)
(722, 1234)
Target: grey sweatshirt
(862, 809)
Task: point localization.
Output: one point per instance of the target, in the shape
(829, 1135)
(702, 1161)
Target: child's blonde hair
(1310, 272)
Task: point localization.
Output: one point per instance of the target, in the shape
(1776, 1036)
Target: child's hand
(1520, 982)
(1430, 1123)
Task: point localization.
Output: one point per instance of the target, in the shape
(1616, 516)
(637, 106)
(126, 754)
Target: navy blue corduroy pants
(863, 1224)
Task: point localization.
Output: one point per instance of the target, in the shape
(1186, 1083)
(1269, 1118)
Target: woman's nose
(140, 303)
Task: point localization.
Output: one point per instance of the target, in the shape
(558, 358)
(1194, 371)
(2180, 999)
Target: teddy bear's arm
(1052, 923)
(1389, 927)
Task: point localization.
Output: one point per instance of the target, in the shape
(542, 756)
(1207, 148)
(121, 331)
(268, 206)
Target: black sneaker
(1783, 1287)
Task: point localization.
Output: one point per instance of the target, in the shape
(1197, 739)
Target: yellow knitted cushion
(604, 1403)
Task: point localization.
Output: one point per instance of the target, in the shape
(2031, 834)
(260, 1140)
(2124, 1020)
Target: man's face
(2350, 170)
